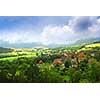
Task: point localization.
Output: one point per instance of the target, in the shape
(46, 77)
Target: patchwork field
(18, 52)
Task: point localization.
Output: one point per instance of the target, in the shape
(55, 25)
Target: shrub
(83, 81)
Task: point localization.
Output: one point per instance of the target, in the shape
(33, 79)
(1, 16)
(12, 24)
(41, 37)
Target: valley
(69, 64)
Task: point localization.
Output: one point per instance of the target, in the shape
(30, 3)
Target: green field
(17, 53)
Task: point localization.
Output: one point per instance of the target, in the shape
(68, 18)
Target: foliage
(51, 66)
(68, 63)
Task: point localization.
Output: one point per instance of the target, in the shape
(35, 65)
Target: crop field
(17, 53)
(93, 45)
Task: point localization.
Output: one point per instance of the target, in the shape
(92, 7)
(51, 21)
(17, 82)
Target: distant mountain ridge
(87, 41)
(19, 45)
(38, 44)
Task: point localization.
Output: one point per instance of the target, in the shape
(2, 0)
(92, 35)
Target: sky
(48, 29)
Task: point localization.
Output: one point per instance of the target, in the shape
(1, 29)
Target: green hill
(5, 50)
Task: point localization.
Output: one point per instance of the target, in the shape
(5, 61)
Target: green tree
(93, 72)
(83, 81)
(68, 63)
(76, 76)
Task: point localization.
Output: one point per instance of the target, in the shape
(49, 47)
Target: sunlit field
(93, 45)
(17, 53)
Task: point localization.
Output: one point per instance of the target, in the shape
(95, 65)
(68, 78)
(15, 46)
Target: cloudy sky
(48, 29)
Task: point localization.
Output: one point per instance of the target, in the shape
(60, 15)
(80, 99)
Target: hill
(5, 50)
(87, 41)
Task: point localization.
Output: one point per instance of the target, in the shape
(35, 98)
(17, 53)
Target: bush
(76, 76)
(84, 81)
(67, 79)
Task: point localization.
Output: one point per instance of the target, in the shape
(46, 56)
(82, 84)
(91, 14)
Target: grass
(13, 58)
(9, 58)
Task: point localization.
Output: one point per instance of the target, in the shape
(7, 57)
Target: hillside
(87, 41)
(5, 50)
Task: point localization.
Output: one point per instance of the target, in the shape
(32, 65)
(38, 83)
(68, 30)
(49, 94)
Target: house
(58, 61)
(40, 62)
(75, 63)
(81, 56)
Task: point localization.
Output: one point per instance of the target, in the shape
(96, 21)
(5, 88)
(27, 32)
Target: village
(77, 64)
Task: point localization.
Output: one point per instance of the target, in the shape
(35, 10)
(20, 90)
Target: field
(73, 64)
(17, 53)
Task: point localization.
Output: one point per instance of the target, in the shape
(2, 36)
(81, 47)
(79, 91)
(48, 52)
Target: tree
(76, 76)
(83, 81)
(67, 79)
(93, 71)
(83, 65)
(70, 72)
(68, 63)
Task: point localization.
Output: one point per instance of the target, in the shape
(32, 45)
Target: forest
(73, 64)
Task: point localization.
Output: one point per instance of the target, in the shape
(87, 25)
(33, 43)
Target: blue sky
(48, 29)
(28, 22)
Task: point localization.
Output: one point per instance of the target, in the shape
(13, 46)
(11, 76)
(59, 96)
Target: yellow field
(83, 49)
(89, 47)
(93, 45)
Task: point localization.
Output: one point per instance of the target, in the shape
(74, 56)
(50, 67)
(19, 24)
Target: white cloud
(18, 37)
(77, 28)
(57, 34)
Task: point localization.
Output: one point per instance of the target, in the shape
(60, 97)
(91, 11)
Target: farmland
(72, 64)
(17, 53)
